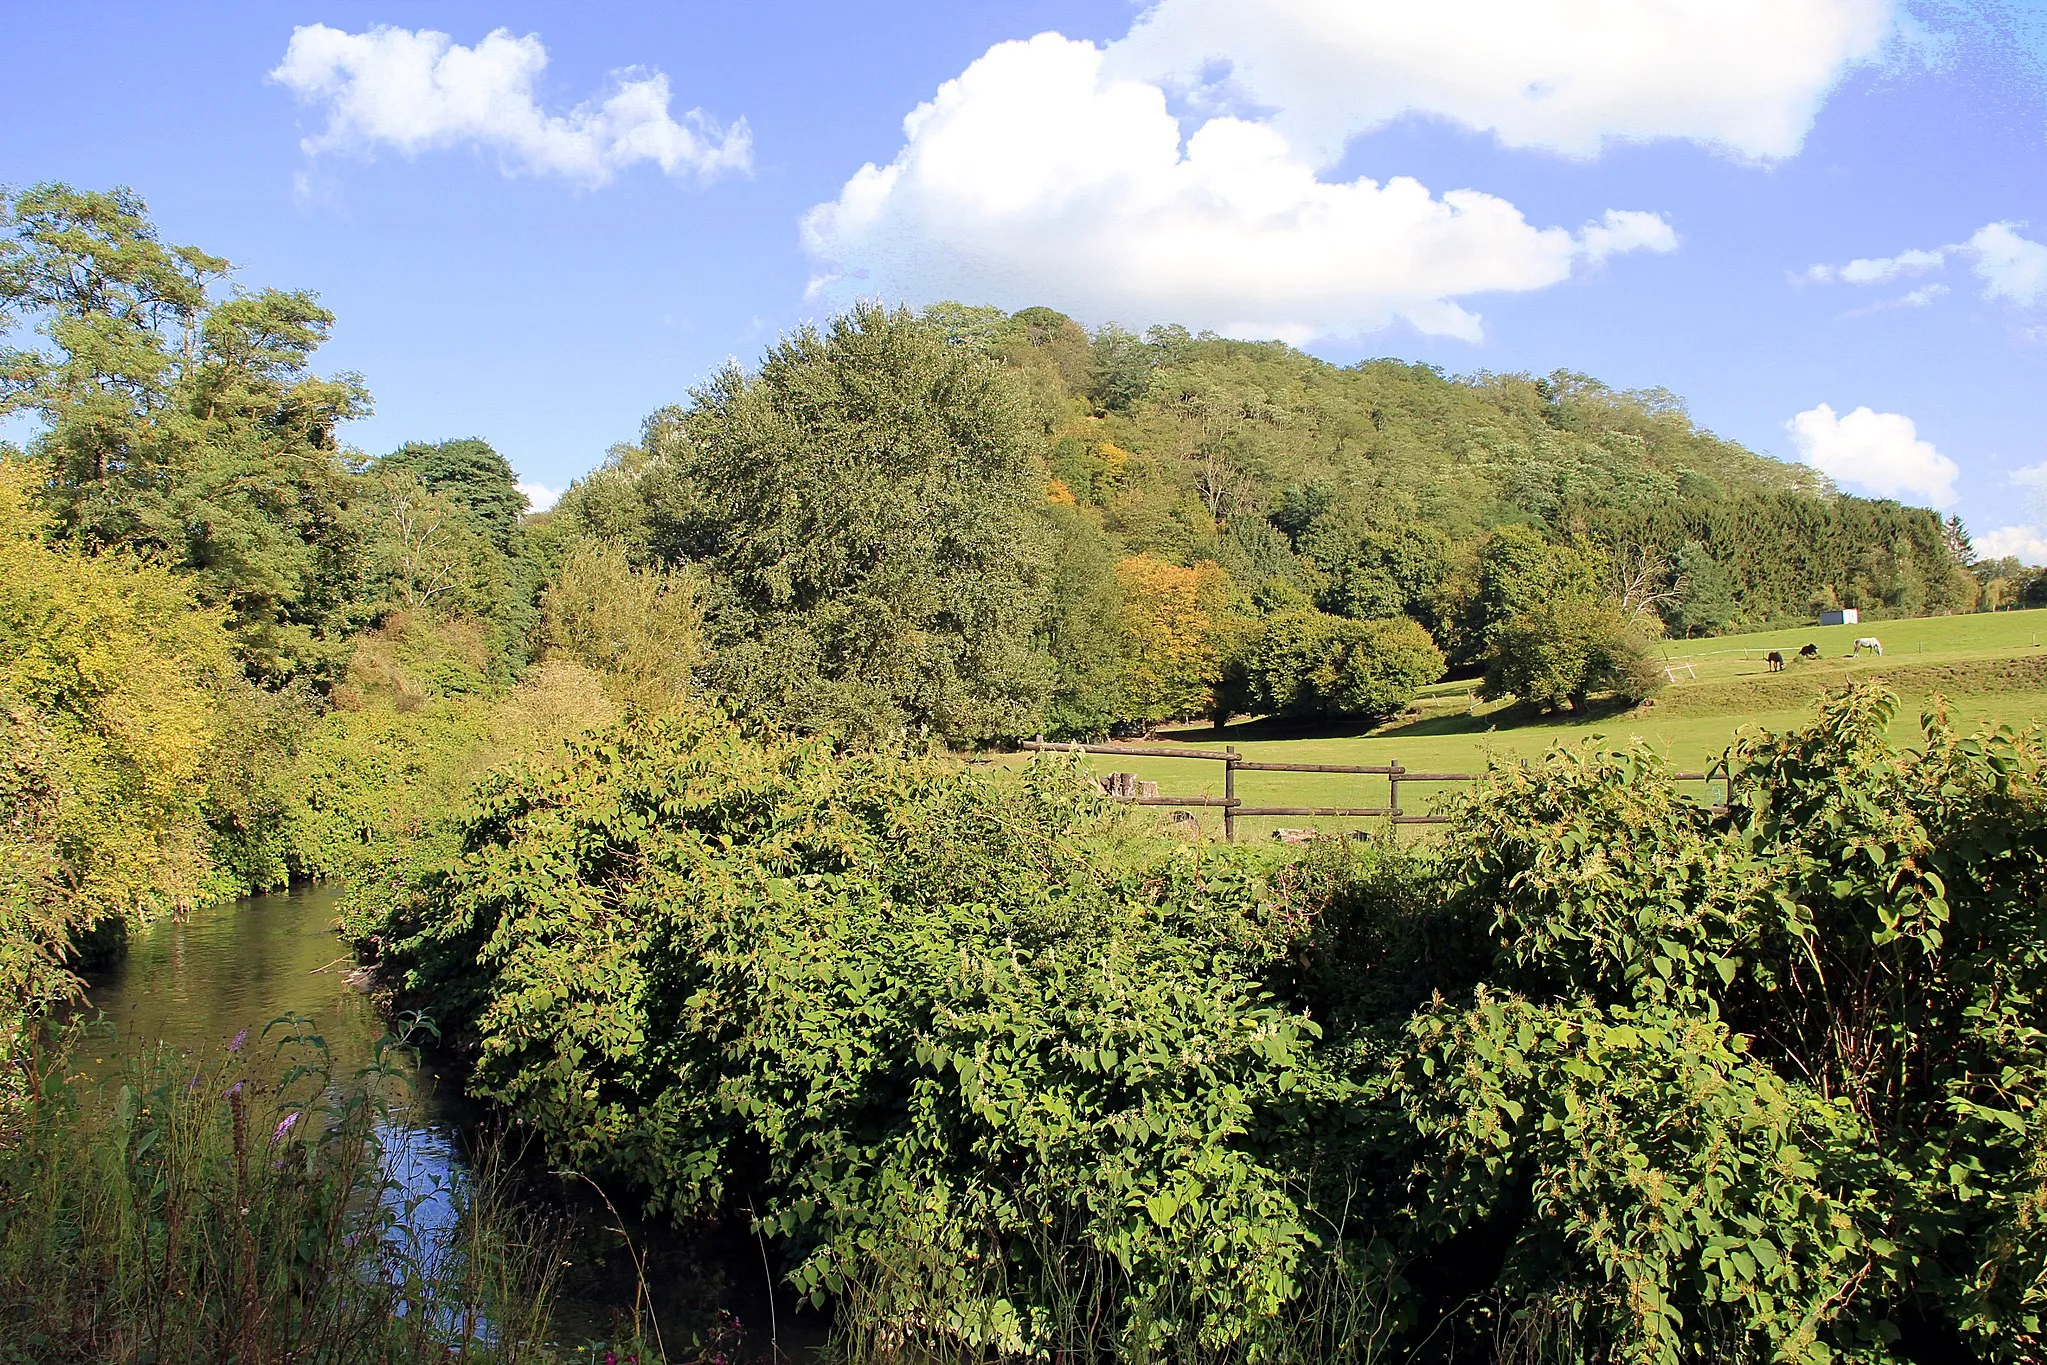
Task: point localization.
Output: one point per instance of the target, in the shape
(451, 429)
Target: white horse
(1869, 642)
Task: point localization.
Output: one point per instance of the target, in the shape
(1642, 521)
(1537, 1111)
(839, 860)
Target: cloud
(1038, 176)
(1879, 269)
(2028, 543)
(2030, 476)
(2011, 267)
(1878, 451)
(539, 497)
(1571, 76)
(1917, 298)
(1626, 230)
(421, 91)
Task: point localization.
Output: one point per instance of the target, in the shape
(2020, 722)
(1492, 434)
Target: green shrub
(1762, 1084)
(1561, 652)
(896, 1010)
(1608, 1076)
(1303, 662)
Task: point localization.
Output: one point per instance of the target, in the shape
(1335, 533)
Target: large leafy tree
(445, 535)
(184, 422)
(107, 670)
(865, 508)
(1173, 626)
(472, 475)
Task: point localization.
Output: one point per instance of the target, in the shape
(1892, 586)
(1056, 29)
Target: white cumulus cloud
(1627, 230)
(1878, 451)
(1879, 269)
(422, 91)
(2028, 543)
(1037, 176)
(2010, 266)
(539, 497)
(1568, 75)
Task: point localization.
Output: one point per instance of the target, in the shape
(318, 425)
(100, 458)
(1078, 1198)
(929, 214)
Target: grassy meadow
(1991, 668)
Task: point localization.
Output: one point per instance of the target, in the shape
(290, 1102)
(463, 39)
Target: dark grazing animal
(1775, 661)
(1809, 652)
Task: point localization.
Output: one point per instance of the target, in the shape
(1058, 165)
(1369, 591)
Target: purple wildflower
(239, 1039)
(284, 1125)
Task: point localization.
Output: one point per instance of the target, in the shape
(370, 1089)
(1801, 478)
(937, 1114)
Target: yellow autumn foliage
(1173, 620)
(107, 668)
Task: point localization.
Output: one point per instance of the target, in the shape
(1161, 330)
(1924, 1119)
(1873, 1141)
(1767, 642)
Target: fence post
(1393, 799)
(1230, 795)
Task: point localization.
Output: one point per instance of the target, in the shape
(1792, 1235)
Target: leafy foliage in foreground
(1613, 1078)
(1763, 1082)
(888, 1004)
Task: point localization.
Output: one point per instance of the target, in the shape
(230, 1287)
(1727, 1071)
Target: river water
(194, 986)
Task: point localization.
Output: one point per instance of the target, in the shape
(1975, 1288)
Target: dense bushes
(1302, 662)
(1753, 1085)
(1612, 1077)
(900, 1011)
(107, 673)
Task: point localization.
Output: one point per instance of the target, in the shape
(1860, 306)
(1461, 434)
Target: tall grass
(192, 1211)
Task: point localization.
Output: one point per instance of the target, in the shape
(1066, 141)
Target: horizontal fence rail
(1232, 807)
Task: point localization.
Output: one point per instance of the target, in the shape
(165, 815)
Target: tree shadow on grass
(1515, 716)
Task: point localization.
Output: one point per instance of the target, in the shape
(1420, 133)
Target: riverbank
(178, 1000)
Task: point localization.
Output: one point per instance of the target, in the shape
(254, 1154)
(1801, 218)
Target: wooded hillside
(1276, 465)
(971, 524)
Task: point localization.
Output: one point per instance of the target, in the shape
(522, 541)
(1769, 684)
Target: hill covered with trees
(973, 524)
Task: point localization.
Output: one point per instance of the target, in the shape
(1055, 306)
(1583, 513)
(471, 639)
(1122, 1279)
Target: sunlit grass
(1450, 730)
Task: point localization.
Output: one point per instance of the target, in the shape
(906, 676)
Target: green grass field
(1991, 668)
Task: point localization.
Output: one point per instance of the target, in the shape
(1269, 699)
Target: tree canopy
(861, 508)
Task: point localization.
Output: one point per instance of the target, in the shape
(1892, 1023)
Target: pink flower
(284, 1125)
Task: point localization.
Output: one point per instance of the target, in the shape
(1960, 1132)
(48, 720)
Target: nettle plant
(1756, 1083)
(956, 1059)
(1608, 1076)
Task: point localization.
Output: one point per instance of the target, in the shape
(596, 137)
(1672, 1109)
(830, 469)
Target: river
(195, 985)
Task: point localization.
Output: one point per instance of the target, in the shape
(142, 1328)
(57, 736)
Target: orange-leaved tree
(1173, 624)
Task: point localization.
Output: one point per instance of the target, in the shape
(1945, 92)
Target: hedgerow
(1612, 1076)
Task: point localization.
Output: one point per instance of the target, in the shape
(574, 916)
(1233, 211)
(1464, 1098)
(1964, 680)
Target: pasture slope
(1990, 667)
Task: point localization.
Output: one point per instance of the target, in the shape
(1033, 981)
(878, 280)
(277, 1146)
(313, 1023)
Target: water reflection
(194, 986)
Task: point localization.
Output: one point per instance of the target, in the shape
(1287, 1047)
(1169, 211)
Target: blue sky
(1820, 221)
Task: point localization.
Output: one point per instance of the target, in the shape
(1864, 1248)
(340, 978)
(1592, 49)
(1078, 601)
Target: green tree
(108, 671)
(472, 476)
(1084, 624)
(1370, 572)
(1298, 661)
(429, 550)
(639, 630)
(1560, 653)
(863, 508)
(184, 425)
(1707, 602)
(1376, 668)
(1173, 623)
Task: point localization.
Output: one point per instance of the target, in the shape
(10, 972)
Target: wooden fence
(1233, 807)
